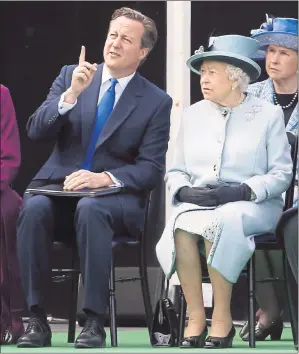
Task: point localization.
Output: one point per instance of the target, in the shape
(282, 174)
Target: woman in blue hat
(231, 165)
(278, 38)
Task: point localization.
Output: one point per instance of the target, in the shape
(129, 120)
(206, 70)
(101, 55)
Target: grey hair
(239, 76)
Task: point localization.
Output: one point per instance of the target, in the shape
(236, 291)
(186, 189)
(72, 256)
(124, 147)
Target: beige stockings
(190, 276)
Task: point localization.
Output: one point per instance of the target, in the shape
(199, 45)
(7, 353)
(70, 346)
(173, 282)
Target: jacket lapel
(268, 91)
(122, 110)
(89, 101)
(293, 121)
(292, 125)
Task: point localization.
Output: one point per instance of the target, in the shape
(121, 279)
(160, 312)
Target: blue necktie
(104, 109)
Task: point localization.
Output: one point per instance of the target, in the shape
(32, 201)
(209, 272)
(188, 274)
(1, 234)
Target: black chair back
(293, 141)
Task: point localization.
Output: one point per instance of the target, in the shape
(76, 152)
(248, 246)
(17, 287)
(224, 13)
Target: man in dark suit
(111, 127)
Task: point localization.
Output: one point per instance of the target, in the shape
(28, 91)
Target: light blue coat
(245, 144)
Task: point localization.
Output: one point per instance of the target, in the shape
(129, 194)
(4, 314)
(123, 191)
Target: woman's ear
(234, 86)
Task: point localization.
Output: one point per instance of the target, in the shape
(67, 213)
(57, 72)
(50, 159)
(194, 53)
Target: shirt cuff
(64, 107)
(259, 188)
(116, 182)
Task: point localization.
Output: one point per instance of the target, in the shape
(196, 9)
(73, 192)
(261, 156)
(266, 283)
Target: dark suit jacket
(132, 144)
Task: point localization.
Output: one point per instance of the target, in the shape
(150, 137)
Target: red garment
(11, 299)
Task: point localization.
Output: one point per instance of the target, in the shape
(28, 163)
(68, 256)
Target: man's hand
(86, 179)
(81, 78)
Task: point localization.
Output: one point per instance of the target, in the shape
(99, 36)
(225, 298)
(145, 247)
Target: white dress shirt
(122, 83)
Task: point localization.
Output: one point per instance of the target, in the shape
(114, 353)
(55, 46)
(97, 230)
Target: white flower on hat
(199, 50)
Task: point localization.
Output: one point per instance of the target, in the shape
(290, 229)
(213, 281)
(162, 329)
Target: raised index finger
(82, 55)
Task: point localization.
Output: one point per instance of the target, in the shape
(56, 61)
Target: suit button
(214, 167)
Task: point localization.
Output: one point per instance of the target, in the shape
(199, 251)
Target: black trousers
(92, 221)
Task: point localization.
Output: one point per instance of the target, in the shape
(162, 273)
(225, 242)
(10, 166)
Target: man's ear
(143, 53)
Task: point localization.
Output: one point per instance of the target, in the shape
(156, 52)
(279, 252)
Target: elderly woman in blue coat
(232, 163)
(278, 38)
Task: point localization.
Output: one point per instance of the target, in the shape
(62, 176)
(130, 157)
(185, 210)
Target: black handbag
(165, 325)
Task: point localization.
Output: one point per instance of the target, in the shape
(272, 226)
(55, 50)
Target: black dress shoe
(195, 341)
(262, 332)
(37, 334)
(92, 335)
(221, 342)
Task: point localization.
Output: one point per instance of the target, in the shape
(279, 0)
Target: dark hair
(150, 34)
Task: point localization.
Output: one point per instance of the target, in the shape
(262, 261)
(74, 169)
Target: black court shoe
(195, 341)
(221, 342)
(261, 332)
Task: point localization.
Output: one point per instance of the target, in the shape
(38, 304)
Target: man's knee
(36, 207)
(90, 206)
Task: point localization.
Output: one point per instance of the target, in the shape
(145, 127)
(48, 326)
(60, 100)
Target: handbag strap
(164, 294)
(166, 289)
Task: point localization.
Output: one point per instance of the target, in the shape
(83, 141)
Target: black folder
(58, 191)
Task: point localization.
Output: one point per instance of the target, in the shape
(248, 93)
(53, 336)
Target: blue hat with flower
(231, 49)
(276, 31)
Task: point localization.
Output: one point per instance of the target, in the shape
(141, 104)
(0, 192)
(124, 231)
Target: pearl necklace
(288, 105)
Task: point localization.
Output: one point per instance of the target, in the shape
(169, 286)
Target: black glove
(214, 195)
(190, 195)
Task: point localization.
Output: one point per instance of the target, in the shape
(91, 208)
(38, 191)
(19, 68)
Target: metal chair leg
(73, 308)
(183, 309)
(146, 295)
(112, 305)
(251, 301)
(290, 303)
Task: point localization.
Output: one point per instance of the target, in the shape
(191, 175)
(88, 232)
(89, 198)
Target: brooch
(254, 110)
(199, 50)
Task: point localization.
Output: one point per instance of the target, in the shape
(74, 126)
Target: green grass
(137, 341)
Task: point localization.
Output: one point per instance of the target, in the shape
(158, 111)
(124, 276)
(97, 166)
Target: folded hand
(214, 195)
(86, 179)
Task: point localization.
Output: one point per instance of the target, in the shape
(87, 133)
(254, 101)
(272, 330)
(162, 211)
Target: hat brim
(251, 68)
(287, 40)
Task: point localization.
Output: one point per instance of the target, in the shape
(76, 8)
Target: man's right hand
(81, 78)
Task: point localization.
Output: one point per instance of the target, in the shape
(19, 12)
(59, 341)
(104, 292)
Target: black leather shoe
(221, 342)
(92, 335)
(37, 334)
(195, 341)
(262, 332)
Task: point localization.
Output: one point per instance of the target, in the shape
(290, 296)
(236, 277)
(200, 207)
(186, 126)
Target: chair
(263, 242)
(272, 242)
(72, 274)
(140, 246)
(119, 242)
